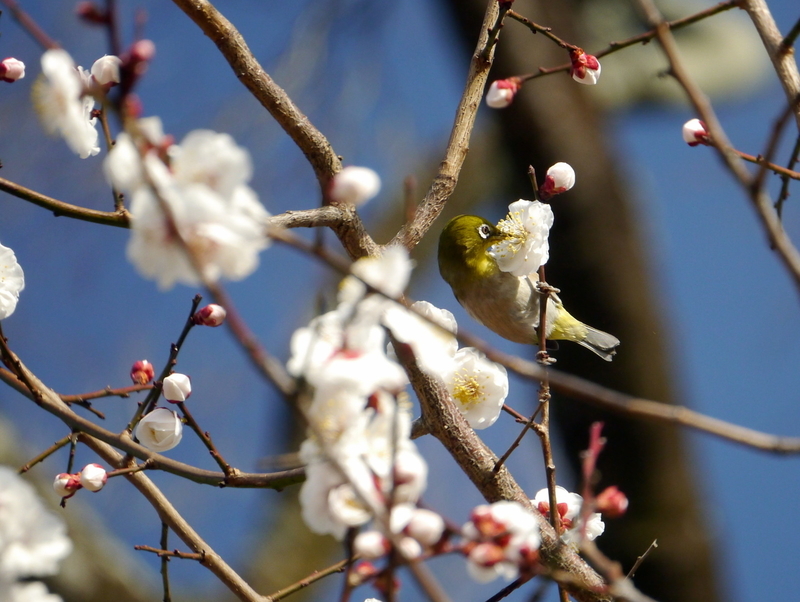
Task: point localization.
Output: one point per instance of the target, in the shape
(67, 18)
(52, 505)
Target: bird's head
(463, 246)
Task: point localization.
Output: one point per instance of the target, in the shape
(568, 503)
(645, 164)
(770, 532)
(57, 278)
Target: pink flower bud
(585, 67)
(210, 315)
(176, 387)
(611, 502)
(560, 178)
(105, 70)
(66, 484)
(143, 50)
(695, 132)
(354, 186)
(486, 554)
(11, 69)
(142, 372)
(502, 92)
(93, 477)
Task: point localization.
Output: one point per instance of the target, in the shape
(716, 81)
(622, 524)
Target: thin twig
(641, 558)
(28, 24)
(314, 577)
(784, 193)
(788, 41)
(45, 454)
(170, 553)
(118, 219)
(206, 439)
(165, 561)
(643, 38)
(449, 169)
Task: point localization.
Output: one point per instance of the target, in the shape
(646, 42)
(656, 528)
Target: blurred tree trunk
(599, 261)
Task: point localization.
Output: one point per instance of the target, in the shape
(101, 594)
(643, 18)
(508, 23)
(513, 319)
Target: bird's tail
(602, 343)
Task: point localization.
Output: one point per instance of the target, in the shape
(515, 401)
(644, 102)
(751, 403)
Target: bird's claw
(545, 289)
(544, 358)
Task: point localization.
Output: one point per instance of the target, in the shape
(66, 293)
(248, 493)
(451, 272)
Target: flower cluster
(93, 477)
(569, 509)
(64, 98)
(12, 281)
(501, 539)
(33, 541)
(191, 205)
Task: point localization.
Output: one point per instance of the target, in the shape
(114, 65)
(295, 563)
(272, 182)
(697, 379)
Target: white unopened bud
(560, 178)
(354, 185)
(410, 548)
(105, 70)
(93, 477)
(176, 387)
(66, 484)
(371, 545)
(160, 430)
(695, 132)
(502, 92)
(210, 315)
(11, 69)
(425, 526)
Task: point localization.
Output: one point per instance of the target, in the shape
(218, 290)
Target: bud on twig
(210, 315)
(142, 372)
(502, 91)
(560, 178)
(695, 132)
(585, 67)
(176, 387)
(11, 69)
(93, 477)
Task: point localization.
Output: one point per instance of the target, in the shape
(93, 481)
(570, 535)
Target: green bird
(504, 303)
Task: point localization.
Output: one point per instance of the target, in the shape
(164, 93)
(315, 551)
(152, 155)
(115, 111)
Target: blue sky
(85, 315)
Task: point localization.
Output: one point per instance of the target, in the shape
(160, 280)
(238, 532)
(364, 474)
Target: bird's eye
(484, 231)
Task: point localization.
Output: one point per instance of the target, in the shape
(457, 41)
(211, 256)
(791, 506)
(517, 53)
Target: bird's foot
(545, 289)
(545, 359)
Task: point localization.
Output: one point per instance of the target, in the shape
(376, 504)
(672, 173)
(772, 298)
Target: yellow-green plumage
(504, 303)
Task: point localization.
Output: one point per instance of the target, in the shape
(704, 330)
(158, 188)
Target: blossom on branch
(142, 372)
(194, 213)
(105, 70)
(12, 281)
(160, 430)
(569, 509)
(526, 247)
(63, 104)
(478, 387)
(501, 539)
(585, 67)
(211, 315)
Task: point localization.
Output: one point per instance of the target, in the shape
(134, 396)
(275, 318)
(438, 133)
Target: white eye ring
(484, 231)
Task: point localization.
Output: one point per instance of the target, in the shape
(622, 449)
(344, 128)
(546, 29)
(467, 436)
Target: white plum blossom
(176, 387)
(160, 430)
(65, 484)
(569, 508)
(387, 273)
(502, 91)
(93, 477)
(12, 281)
(63, 105)
(105, 70)
(33, 540)
(212, 315)
(478, 387)
(526, 247)
(202, 195)
(429, 330)
(354, 185)
(501, 539)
